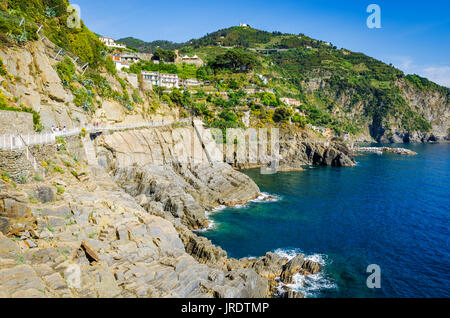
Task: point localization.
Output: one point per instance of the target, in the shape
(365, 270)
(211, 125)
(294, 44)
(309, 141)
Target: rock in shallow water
(298, 265)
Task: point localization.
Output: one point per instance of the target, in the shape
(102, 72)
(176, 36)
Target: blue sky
(415, 35)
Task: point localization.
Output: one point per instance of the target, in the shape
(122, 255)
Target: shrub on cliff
(66, 70)
(282, 114)
(53, 16)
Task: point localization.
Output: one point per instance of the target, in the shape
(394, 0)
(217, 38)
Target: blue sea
(389, 210)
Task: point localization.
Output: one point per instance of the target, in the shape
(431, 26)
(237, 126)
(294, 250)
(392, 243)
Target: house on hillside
(188, 60)
(291, 102)
(161, 80)
(130, 58)
(169, 80)
(192, 60)
(150, 76)
(111, 43)
(124, 60)
(324, 131)
(118, 62)
(121, 65)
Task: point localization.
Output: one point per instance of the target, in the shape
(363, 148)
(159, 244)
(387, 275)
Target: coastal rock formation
(380, 150)
(186, 191)
(270, 266)
(117, 248)
(182, 193)
(298, 148)
(146, 165)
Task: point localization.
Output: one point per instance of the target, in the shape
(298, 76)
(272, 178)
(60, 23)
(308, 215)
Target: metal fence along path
(21, 141)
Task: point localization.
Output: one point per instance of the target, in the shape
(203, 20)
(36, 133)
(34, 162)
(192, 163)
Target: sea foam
(311, 285)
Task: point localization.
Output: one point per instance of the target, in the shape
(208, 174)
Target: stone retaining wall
(15, 164)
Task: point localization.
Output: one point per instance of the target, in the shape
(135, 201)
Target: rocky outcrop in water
(380, 150)
(298, 148)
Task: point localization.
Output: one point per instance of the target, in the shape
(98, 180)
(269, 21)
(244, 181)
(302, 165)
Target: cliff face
(434, 105)
(31, 80)
(148, 164)
(299, 148)
(398, 124)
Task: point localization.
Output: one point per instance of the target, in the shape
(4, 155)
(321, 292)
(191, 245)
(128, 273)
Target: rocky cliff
(407, 113)
(31, 80)
(127, 233)
(299, 148)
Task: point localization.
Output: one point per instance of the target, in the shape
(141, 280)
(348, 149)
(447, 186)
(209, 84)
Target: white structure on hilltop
(192, 60)
(111, 43)
(243, 25)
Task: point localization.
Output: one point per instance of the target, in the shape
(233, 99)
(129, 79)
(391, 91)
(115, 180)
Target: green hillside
(149, 47)
(252, 70)
(355, 89)
(53, 15)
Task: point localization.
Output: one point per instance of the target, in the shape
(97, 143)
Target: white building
(130, 58)
(111, 43)
(121, 65)
(190, 82)
(191, 60)
(291, 101)
(161, 79)
(168, 80)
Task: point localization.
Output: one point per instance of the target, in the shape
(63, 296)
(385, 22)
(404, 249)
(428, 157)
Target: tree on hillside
(235, 60)
(282, 114)
(164, 55)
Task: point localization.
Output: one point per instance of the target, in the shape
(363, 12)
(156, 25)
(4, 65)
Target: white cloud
(438, 74)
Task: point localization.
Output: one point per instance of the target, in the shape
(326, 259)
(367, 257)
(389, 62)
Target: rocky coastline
(381, 150)
(125, 225)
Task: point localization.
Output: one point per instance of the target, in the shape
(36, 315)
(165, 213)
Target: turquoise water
(389, 210)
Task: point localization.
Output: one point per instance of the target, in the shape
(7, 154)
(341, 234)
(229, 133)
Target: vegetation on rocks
(53, 16)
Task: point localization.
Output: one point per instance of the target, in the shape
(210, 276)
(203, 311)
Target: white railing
(17, 142)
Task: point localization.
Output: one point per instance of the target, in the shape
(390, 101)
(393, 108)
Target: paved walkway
(21, 141)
